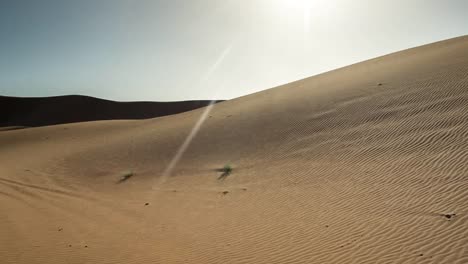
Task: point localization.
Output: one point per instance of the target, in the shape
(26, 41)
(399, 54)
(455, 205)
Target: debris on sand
(449, 216)
(126, 176)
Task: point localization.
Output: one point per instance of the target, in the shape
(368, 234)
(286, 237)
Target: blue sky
(131, 50)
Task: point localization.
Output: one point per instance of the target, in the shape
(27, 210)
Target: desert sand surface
(20, 112)
(364, 164)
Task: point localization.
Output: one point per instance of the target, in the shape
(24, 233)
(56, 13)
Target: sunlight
(310, 10)
(183, 148)
(317, 6)
(167, 172)
(301, 4)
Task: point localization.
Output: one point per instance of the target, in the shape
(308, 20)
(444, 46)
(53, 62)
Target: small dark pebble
(379, 84)
(69, 245)
(225, 192)
(326, 226)
(421, 255)
(60, 229)
(146, 204)
(85, 246)
(244, 189)
(448, 216)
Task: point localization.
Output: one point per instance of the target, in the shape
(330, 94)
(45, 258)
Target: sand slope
(45, 111)
(357, 165)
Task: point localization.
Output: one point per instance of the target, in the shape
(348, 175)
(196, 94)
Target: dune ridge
(364, 164)
(18, 112)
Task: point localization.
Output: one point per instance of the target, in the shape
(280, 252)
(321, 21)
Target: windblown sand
(364, 164)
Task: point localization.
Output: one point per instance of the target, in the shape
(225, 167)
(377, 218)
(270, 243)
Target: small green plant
(226, 170)
(127, 175)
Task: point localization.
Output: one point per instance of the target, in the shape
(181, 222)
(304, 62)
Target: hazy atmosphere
(199, 49)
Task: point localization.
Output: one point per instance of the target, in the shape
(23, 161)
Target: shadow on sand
(224, 174)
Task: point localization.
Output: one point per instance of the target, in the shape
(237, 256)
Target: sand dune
(364, 164)
(45, 111)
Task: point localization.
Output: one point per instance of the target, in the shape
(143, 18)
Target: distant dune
(363, 164)
(44, 111)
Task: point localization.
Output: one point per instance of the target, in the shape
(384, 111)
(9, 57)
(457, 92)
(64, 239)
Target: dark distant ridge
(44, 111)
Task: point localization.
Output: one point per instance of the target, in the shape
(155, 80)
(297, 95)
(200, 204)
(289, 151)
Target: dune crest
(18, 112)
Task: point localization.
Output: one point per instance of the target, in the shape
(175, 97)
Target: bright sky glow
(157, 50)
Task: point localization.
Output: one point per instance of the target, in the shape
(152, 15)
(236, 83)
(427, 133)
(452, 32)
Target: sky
(150, 50)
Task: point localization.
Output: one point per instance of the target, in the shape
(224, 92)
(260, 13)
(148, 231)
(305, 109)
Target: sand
(364, 164)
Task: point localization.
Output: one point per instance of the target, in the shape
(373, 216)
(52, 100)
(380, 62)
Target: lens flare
(183, 148)
(185, 145)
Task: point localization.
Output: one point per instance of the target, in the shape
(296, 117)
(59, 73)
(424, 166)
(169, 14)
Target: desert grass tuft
(125, 176)
(226, 171)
